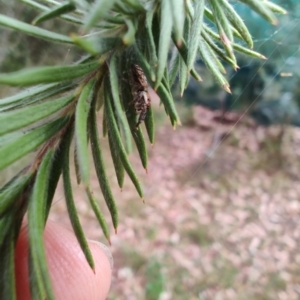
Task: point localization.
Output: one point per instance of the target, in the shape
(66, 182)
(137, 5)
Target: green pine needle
(163, 38)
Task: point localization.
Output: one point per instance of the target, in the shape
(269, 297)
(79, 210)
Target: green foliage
(40, 281)
(155, 280)
(65, 169)
(265, 90)
(62, 102)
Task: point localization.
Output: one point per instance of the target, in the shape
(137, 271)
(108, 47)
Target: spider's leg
(135, 96)
(133, 101)
(142, 117)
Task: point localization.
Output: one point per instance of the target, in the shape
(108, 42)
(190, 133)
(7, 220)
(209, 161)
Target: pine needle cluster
(163, 38)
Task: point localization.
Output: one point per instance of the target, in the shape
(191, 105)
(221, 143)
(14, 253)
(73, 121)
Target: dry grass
(217, 224)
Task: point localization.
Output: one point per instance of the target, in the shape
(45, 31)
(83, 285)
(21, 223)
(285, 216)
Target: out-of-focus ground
(216, 224)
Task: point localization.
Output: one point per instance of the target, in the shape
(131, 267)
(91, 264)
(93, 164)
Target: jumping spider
(139, 90)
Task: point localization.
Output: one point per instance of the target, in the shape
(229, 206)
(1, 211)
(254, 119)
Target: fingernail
(106, 251)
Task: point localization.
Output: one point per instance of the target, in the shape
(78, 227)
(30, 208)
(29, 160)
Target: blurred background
(221, 218)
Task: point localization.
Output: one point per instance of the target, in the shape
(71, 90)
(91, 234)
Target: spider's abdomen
(142, 102)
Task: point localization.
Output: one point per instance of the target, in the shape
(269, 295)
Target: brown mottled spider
(139, 90)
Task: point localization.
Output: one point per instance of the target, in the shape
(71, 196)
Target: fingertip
(71, 276)
(21, 266)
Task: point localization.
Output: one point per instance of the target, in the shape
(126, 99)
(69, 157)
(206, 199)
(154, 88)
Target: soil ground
(220, 219)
